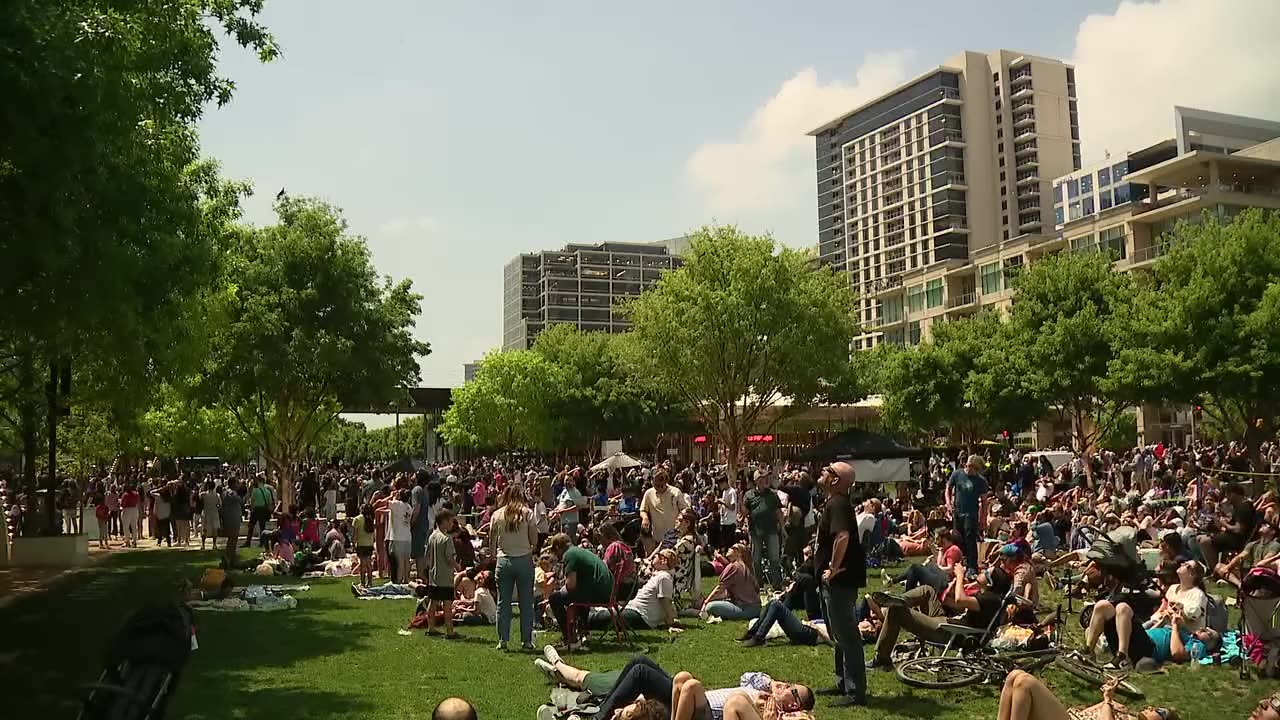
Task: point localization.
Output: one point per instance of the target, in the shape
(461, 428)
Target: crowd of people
(577, 551)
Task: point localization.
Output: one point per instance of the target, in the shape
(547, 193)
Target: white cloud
(420, 225)
(771, 164)
(1134, 65)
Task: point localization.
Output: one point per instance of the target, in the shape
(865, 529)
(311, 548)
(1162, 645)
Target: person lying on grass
(799, 632)
(633, 693)
(1024, 697)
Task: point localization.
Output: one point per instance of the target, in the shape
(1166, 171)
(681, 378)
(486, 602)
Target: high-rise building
(578, 285)
(913, 185)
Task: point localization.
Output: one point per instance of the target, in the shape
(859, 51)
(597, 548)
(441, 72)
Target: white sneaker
(501, 646)
(552, 655)
(547, 669)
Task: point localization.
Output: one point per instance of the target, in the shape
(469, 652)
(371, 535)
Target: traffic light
(1198, 412)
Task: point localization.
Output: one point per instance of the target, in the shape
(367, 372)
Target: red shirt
(129, 499)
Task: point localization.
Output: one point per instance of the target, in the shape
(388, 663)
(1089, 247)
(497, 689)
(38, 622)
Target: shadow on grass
(56, 642)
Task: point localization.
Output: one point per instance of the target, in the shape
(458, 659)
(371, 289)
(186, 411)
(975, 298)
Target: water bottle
(1197, 653)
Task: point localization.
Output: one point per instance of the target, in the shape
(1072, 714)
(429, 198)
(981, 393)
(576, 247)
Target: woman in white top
(512, 538)
(399, 534)
(330, 500)
(1189, 595)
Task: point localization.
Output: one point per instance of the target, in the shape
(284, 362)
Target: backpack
(1215, 614)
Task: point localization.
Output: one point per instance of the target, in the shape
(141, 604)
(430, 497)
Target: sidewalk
(18, 582)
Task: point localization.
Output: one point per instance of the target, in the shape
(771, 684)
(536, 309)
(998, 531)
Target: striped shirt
(750, 682)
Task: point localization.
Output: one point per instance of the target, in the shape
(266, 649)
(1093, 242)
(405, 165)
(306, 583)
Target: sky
(457, 135)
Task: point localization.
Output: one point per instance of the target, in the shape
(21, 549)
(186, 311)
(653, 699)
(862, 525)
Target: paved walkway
(18, 582)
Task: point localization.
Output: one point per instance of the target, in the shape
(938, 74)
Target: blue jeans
(967, 528)
(728, 611)
(640, 676)
(764, 546)
(775, 613)
(842, 624)
(515, 573)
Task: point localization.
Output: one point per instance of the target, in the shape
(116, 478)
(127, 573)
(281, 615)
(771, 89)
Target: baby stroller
(1259, 603)
(143, 666)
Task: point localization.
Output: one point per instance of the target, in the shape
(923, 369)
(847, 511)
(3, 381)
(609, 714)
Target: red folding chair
(621, 632)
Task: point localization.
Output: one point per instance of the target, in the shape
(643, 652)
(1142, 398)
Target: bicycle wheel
(941, 673)
(1091, 672)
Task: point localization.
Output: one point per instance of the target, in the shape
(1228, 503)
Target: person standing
(231, 512)
(210, 516)
(513, 536)
(764, 509)
(113, 509)
(129, 504)
(399, 533)
(262, 500)
(660, 506)
(966, 493)
(841, 564)
(330, 499)
(728, 503)
(420, 522)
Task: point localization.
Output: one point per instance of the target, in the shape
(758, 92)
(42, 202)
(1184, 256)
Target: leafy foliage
(1212, 321)
(304, 325)
(743, 324)
(512, 402)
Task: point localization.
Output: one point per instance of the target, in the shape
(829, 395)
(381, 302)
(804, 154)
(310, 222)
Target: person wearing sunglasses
(1268, 708)
(757, 696)
(1025, 697)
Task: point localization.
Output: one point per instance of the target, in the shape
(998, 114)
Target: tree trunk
(28, 420)
(1253, 437)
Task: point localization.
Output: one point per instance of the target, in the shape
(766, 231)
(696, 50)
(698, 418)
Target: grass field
(336, 657)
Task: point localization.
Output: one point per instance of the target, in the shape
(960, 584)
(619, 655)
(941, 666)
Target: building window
(915, 298)
(1118, 171)
(1112, 241)
(1057, 193)
(891, 310)
(1104, 177)
(933, 293)
(1086, 184)
(913, 333)
(1104, 199)
(1057, 215)
(1076, 212)
(1088, 204)
(1122, 193)
(1073, 188)
(1006, 234)
(991, 277)
(1002, 177)
(1083, 243)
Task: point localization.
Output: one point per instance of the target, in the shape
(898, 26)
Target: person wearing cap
(841, 564)
(966, 493)
(660, 506)
(764, 518)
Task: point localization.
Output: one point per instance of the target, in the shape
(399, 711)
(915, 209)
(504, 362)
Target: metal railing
(968, 298)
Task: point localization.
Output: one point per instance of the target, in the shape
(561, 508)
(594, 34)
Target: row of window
(1084, 207)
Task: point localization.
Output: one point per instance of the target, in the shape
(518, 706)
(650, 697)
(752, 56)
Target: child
(335, 542)
(362, 528)
(103, 515)
(442, 561)
(310, 530)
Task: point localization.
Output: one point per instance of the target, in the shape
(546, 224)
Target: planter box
(50, 551)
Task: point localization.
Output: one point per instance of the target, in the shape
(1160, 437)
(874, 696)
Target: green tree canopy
(304, 325)
(511, 403)
(1211, 322)
(743, 324)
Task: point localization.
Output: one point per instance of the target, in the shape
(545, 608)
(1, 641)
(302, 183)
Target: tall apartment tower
(579, 285)
(913, 183)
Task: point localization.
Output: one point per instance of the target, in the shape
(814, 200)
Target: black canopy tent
(858, 444)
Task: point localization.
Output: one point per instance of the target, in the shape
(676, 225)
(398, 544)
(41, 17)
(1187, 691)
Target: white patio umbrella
(616, 461)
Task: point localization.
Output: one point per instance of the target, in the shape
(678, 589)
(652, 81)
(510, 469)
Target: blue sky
(456, 135)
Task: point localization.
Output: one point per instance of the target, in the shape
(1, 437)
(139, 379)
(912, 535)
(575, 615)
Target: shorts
(364, 551)
(1228, 543)
(441, 593)
(400, 548)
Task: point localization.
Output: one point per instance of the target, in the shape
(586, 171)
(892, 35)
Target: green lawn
(336, 657)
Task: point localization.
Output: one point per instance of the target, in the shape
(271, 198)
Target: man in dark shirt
(1232, 539)
(764, 509)
(842, 567)
(232, 511)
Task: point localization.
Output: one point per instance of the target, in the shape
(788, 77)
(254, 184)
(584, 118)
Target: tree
(742, 325)
(178, 425)
(603, 395)
(104, 206)
(1212, 322)
(302, 326)
(1071, 317)
(512, 403)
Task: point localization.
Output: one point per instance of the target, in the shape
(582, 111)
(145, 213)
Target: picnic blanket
(388, 591)
(255, 598)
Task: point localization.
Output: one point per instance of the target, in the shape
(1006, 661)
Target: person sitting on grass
(653, 606)
(756, 697)
(1255, 554)
(737, 595)
(936, 573)
(797, 631)
(1025, 697)
(475, 604)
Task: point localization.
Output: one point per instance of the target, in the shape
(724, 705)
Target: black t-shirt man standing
(841, 564)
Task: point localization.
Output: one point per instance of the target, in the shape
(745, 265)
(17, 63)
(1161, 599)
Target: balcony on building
(952, 180)
(1201, 180)
(1020, 77)
(1021, 92)
(1029, 221)
(1029, 178)
(1027, 161)
(1026, 118)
